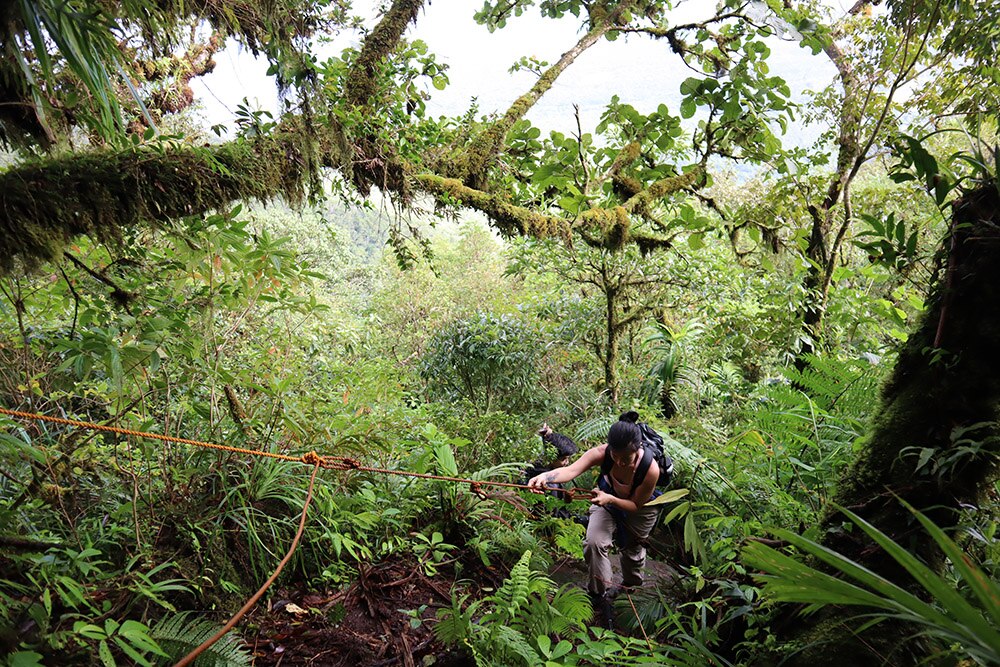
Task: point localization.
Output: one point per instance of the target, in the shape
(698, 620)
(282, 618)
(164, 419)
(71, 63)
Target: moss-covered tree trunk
(612, 347)
(939, 408)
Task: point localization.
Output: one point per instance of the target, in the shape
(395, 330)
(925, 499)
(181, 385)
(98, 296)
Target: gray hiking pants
(600, 536)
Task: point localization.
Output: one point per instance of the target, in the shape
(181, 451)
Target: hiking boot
(603, 611)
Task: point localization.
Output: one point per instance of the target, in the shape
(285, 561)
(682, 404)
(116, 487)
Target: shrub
(487, 359)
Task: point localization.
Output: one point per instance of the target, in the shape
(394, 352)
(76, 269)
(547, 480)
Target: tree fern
(180, 634)
(805, 429)
(499, 471)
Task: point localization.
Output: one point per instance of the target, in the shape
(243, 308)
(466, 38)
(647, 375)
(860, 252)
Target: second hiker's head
(624, 438)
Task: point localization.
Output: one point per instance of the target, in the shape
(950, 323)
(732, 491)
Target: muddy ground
(365, 625)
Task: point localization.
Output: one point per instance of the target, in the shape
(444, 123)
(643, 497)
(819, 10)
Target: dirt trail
(363, 625)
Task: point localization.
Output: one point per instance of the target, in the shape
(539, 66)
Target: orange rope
(143, 434)
(190, 658)
(310, 458)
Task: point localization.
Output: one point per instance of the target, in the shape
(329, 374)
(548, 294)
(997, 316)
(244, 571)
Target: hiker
(618, 513)
(564, 448)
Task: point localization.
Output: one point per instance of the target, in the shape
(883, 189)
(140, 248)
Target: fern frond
(503, 471)
(513, 593)
(595, 429)
(830, 381)
(513, 643)
(454, 624)
(650, 605)
(179, 634)
(572, 609)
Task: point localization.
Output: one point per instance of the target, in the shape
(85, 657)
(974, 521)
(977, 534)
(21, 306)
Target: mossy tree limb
(488, 144)
(44, 204)
(509, 219)
(361, 82)
(376, 162)
(598, 227)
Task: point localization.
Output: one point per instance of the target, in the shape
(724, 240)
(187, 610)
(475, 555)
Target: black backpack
(652, 444)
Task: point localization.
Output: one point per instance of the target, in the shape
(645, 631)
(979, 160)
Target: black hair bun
(631, 416)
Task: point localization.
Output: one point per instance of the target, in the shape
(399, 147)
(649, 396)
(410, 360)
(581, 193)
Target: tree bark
(943, 396)
(613, 343)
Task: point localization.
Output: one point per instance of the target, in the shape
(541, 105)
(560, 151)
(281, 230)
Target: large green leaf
(948, 615)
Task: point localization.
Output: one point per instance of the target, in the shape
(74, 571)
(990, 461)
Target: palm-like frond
(83, 37)
(973, 622)
(454, 624)
(669, 369)
(509, 642)
(594, 429)
(572, 607)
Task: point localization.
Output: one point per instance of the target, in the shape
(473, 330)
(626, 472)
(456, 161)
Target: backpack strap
(642, 469)
(640, 472)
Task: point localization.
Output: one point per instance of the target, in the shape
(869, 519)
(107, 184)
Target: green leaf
(985, 589)
(137, 658)
(668, 497)
(25, 659)
(105, 653)
(690, 86)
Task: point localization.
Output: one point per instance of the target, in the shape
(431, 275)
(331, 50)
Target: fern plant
(180, 634)
(801, 434)
(514, 625)
(595, 428)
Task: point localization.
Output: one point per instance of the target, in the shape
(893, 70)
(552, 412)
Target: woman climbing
(618, 513)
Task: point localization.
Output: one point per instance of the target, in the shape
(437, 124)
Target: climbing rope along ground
(309, 458)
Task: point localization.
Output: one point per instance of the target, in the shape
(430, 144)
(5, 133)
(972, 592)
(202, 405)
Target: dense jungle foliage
(795, 288)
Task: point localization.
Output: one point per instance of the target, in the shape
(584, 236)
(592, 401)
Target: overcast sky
(641, 71)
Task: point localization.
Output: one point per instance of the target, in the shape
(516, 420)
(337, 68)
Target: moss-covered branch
(44, 204)
(599, 227)
(642, 200)
(376, 162)
(509, 219)
(488, 144)
(361, 82)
